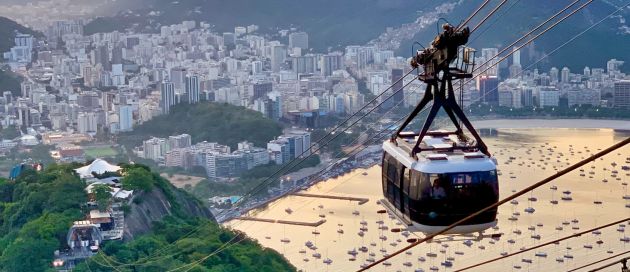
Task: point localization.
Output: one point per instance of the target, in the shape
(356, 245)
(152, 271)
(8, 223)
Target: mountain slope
(608, 40)
(213, 122)
(328, 22)
(333, 23)
(8, 28)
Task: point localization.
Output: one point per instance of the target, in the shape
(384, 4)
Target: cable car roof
(454, 162)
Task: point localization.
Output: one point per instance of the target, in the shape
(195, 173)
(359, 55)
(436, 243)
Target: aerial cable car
(432, 179)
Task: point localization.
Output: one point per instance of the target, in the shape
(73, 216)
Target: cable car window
(438, 190)
(414, 184)
(424, 186)
(385, 164)
(395, 172)
(406, 180)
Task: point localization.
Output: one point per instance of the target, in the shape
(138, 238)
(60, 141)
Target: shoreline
(502, 123)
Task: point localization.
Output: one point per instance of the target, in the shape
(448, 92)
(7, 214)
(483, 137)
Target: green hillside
(8, 28)
(212, 122)
(37, 209)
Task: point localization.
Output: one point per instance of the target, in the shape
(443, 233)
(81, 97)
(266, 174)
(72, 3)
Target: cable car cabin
(441, 186)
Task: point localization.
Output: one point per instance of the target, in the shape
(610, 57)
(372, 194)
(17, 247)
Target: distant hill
(610, 39)
(213, 122)
(333, 23)
(8, 28)
(329, 22)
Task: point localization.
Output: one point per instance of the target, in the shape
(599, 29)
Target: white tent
(97, 166)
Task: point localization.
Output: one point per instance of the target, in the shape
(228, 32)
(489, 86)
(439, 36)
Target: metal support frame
(440, 91)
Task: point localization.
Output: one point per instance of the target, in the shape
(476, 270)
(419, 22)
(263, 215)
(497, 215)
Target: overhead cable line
(494, 21)
(530, 32)
(600, 261)
(578, 234)
(489, 15)
(465, 22)
(622, 262)
(146, 261)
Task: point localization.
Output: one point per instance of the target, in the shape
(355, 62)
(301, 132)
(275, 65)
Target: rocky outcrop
(149, 207)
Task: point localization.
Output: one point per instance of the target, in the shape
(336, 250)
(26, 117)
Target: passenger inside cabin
(438, 191)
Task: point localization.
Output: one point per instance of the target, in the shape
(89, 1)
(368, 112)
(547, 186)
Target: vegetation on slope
(8, 28)
(329, 22)
(10, 81)
(212, 122)
(37, 209)
(167, 248)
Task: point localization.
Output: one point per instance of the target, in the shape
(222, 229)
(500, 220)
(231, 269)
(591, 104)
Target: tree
(28, 254)
(9, 133)
(138, 179)
(102, 196)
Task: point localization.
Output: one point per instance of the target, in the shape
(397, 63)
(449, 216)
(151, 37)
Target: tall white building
(564, 76)
(299, 40)
(278, 55)
(192, 88)
(548, 97)
(257, 67)
(86, 122)
(154, 148)
(167, 96)
(125, 117)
